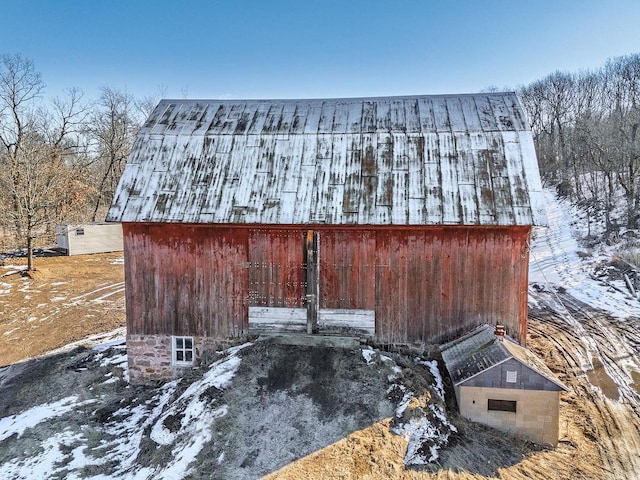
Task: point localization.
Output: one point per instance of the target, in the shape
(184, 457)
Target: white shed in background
(83, 238)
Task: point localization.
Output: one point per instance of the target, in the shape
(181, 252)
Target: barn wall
(435, 283)
(186, 280)
(424, 283)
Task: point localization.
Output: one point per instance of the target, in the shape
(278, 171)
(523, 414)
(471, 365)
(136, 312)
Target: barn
(405, 219)
(501, 384)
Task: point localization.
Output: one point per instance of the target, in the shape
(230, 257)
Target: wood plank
(266, 319)
(347, 321)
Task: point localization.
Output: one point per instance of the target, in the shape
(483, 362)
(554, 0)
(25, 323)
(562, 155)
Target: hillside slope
(290, 413)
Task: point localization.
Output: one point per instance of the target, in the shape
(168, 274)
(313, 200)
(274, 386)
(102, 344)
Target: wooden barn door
(276, 270)
(292, 287)
(347, 282)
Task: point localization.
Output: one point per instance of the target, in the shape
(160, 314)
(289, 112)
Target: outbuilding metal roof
(481, 350)
(418, 160)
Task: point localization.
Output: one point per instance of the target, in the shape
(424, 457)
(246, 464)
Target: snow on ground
(17, 424)
(64, 453)
(555, 261)
(559, 275)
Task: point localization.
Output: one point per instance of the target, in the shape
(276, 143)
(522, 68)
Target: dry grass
(64, 300)
(69, 298)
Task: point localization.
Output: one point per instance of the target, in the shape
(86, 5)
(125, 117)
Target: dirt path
(591, 362)
(66, 299)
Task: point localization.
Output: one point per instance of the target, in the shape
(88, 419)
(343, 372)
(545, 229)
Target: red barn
(404, 218)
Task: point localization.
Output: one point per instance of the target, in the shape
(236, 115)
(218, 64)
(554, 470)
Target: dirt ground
(66, 299)
(70, 298)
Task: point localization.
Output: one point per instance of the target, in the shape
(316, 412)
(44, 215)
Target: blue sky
(311, 49)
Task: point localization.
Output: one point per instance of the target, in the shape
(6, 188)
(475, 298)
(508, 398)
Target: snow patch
(17, 424)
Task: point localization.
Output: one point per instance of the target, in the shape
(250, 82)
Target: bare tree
(113, 128)
(586, 129)
(36, 181)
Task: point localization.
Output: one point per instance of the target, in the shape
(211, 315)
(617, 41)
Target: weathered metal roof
(481, 350)
(419, 160)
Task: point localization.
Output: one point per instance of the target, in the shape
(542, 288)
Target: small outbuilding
(90, 237)
(503, 385)
(404, 219)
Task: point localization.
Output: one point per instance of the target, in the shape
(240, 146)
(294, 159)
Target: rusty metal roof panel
(418, 160)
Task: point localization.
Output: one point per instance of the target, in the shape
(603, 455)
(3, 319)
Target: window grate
(502, 405)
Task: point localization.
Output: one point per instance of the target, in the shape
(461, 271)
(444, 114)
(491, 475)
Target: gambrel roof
(415, 160)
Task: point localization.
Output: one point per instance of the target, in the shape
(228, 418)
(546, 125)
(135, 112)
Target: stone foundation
(149, 356)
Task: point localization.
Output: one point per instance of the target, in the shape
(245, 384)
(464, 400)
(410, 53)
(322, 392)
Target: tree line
(585, 127)
(61, 159)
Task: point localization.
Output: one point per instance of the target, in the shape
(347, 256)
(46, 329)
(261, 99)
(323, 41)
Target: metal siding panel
(427, 120)
(397, 115)
(399, 153)
(503, 201)
(304, 205)
(273, 118)
(300, 117)
(193, 118)
(312, 123)
(470, 112)
(384, 189)
(400, 204)
(504, 114)
(325, 124)
(468, 204)
(351, 200)
(449, 180)
(369, 115)
(288, 117)
(383, 116)
(485, 113)
(412, 115)
(415, 157)
(517, 114)
(213, 128)
(441, 115)
(259, 113)
(433, 189)
(417, 211)
(339, 158)
(484, 187)
(340, 118)
(456, 115)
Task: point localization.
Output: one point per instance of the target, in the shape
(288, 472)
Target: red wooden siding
(276, 271)
(424, 283)
(186, 280)
(434, 283)
(347, 269)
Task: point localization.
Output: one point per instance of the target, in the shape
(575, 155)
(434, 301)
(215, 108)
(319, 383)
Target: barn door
(289, 291)
(276, 270)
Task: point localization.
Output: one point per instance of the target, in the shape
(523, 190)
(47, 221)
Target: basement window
(502, 405)
(182, 350)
